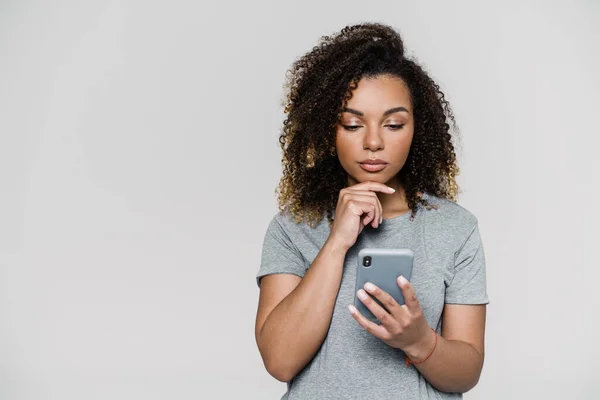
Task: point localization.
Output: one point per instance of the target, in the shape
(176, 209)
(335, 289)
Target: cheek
(345, 148)
(344, 145)
(401, 146)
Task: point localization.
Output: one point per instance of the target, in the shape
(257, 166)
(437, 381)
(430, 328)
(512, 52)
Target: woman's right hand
(357, 207)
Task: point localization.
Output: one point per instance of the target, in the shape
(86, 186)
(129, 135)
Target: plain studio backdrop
(139, 156)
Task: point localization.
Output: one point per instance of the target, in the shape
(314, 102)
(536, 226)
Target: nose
(373, 140)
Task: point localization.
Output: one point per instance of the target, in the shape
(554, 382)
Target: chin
(375, 177)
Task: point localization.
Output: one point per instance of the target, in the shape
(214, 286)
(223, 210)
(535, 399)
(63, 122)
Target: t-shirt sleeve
(469, 283)
(279, 254)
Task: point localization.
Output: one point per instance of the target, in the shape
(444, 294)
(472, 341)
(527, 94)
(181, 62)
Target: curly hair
(319, 85)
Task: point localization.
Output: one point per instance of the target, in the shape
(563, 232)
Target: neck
(393, 204)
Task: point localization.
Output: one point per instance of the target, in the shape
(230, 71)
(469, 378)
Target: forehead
(375, 95)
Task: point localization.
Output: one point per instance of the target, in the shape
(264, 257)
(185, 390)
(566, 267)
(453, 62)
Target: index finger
(373, 186)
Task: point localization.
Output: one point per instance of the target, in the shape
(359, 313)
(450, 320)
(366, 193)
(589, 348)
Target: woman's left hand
(404, 327)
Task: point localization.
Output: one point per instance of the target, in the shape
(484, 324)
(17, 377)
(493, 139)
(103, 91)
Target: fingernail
(380, 220)
(369, 286)
(362, 294)
(402, 280)
(391, 189)
(352, 309)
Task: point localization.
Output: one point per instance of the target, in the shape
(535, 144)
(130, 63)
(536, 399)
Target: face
(375, 132)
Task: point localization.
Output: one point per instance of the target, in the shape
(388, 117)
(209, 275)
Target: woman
(368, 161)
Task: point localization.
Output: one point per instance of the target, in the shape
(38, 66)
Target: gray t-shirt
(449, 268)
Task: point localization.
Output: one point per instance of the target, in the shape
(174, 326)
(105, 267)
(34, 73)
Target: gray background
(139, 157)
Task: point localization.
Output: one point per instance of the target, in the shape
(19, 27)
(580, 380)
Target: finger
(371, 195)
(368, 197)
(380, 208)
(383, 316)
(378, 331)
(373, 186)
(410, 297)
(362, 207)
(384, 298)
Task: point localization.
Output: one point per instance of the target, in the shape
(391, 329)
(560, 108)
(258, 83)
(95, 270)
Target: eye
(351, 128)
(396, 127)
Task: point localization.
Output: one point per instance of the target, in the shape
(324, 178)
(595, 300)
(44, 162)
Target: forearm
(454, 366)
(297, 326)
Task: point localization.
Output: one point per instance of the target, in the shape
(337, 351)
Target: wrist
(336, 246)
(422, 348)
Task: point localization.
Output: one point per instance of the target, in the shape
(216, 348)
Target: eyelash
(395, 127)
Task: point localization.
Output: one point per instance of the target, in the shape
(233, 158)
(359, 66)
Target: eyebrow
(388, 112)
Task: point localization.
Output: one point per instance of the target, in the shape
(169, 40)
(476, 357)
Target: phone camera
(367, 261)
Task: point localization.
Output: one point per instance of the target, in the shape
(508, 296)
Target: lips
(373, 165)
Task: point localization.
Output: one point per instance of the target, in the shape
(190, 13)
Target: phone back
(386, 265)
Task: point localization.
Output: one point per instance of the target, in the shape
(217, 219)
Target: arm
(294, 313)
(457, 361)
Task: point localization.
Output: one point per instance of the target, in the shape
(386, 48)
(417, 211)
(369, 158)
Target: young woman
(368, 161)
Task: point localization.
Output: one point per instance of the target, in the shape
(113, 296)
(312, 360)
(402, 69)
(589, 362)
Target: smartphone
(382, 267)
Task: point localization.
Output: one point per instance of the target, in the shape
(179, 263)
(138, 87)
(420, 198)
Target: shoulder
(447, 212)
(284, 232)
(284, 222)
(447, 224)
